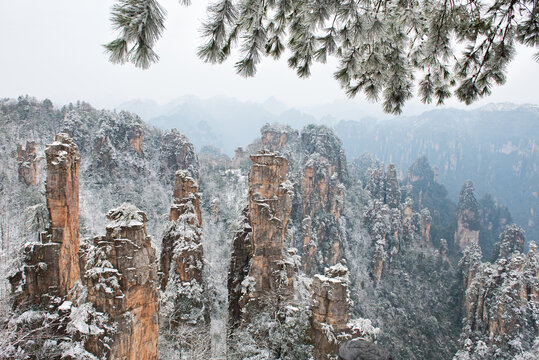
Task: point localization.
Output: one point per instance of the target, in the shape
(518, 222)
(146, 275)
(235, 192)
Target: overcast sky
(53, 49)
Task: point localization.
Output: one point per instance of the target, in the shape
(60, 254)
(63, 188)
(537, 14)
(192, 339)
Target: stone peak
(126, 215)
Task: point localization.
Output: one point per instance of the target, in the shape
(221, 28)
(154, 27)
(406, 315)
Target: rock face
(51, 266)
(103, 295)
(239, 267)
(182, 253)
(120, 271)
(115, 137)
(330, 308)
(177, 153)
(257, 260)
(278, 137)
(135, 135)
(62, 192)
(270, 203)
(426, 221)
(26, 160)
(468, 218)
(322, 197)
(501, 304)
(318, 168)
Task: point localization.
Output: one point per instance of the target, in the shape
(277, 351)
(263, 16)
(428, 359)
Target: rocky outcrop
(501, 304)
(103, 296)
(239, 266)
(331, 311)
(322, 198)
(135, 136)
(51, 266)
(359, 349)
(177, 153)
(468, 218)
(117, 135)
(257, 268)
(27, 164)
(120, 272)
(270, 203)
(276, 137)
(182, 261)
(392, 193)
(181, 243)
(318, 168)
(62, 192)
(511, 240)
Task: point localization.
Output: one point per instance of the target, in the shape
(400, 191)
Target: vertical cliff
(501, 305)
(120, 272)
(322, 197)
(392, 225)
(51, 266)
(468, 218)
(239, 267)
(317, 167)
(96, 301)
(330, 311)
(182, 254)
(281, 138)
(62, 192)
(257, 269)
(27, 163)
(177, 153)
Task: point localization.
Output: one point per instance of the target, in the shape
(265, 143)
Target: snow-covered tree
(384, 48)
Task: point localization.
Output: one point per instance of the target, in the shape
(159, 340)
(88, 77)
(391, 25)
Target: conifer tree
(384, 48)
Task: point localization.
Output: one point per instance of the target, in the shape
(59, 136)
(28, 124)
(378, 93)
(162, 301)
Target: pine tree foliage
(140, 23)
(384, 48)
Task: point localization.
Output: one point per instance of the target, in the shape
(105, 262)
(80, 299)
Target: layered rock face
(322, 192)
(103, 295)
(120, 271)
(318, 169)
(278, 138)
(239, 267)
(468, 218)
(330, 308)
(182, 253)
(26, 160)
(270, 203)
(62, 192)
(51, 266)
(257, 260)
(501, 304)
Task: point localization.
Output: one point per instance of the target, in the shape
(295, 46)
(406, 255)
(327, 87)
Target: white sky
(53, 49)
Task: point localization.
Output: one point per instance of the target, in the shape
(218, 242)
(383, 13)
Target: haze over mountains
(495, 146)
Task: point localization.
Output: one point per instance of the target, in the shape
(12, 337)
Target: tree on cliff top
(468, 206)
(384, 48)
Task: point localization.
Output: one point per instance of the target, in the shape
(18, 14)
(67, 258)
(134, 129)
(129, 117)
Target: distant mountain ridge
(495, 145)
(221, 122)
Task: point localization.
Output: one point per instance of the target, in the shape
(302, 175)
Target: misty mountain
(494, 146)
(220, 122)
